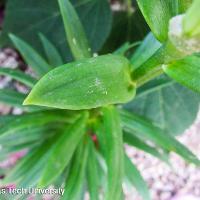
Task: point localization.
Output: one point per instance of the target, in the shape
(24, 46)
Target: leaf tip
(27, 101)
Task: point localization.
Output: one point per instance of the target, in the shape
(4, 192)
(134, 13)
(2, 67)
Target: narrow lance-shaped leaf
(74, 30)
(85, 84)
(52, 53)
(93, 178)
(114, 154)
(135, 178)
(19, 76)
(27, 135)
(186, 72)
(32, 58)
(143, 128)
(147, 48)
(76, 179)
(35, 119)
(11, 97)
(23, 168)
(132, 140)
(66, 143)
(191, 21)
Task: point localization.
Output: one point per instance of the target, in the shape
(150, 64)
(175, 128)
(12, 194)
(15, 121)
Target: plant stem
(153, 66)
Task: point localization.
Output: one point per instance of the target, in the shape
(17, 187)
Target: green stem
(153, 66)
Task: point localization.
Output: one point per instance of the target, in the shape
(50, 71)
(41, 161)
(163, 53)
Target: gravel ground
(181, 182)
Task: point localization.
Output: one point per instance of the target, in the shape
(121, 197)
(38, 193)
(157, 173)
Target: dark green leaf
(75, 180)
(85, 84)
(19, 76)
(125, 28)
(114, 153)
(170, 106)
(32, 58)
(11, 97)
(158, 13)
(51, 52)
(45, 18)
(76, 37)
(186, 72)
(135, 178)
(68, 141)
(144, 128)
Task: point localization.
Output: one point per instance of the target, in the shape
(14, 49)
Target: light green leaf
(11, 97)
(68, 141)
(15, 99)
(19, 76)
(186, 72)
(114, 153)
(51, 52)
(148, 47)
(74, 30)
(191, 20)
(32, 58)
(76, 179)
(135, 178)
(157, 13)
(85, 84)
(93, 178)
(167, 104)
(132, 140)
(144, 128)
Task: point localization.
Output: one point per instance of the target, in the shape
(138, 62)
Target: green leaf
(157, 13)
(45, 18)
(125, 48)
(27, 170)
(191, 20)
(114, 153)
(186, 72)
(144, 128)
(8, 150)
(75, 180)
(51, 51)
(85, 84)
(28, 135)
(76, 37)
(69, 139)
(148, 47)
(19, 76)
(132, 140)
(93, 178)
(125, 28)
(168, 105)
(32, 58)
(135, 178)
(11, 97)
(35, 119)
